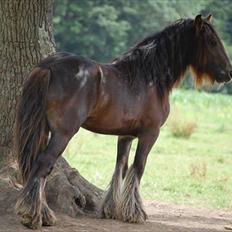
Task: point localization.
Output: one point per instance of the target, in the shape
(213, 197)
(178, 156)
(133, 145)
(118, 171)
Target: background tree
(103, 29)
(25, 38)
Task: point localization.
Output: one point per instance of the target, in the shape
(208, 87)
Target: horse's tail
(31, 134)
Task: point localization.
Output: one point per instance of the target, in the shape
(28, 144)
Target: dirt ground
(162, 218)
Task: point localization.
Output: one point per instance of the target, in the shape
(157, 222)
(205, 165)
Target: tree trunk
(26, 37)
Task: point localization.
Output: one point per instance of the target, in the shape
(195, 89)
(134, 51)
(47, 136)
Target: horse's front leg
(130, 206)
(111, 199)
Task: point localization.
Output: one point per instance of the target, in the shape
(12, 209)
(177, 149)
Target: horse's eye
(213, 43)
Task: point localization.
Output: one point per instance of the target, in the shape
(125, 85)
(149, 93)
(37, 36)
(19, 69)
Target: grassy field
(193, 171)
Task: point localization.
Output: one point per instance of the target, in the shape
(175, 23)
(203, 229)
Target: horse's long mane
(161, 58)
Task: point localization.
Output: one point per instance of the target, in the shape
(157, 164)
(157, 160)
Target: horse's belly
(113, 126)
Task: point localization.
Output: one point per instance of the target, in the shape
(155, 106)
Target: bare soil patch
(163, 217)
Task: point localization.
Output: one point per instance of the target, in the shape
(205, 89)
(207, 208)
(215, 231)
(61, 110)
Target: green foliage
(222, 17)
(103, 29)
(90, 28)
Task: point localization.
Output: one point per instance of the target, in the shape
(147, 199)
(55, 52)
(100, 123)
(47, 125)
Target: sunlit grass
(194, 171)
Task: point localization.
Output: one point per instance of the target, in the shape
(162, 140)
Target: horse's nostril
(230, 74)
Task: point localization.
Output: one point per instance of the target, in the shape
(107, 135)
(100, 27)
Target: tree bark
(25, 38)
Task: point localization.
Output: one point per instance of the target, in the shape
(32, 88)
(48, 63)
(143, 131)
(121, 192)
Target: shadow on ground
(162, 218)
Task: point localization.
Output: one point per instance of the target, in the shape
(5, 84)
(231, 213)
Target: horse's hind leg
(32, 202)
(130, 205)
(48, 216)
(110, 202)
(47, 162)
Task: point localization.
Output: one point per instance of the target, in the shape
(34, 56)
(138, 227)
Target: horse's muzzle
(230, 74)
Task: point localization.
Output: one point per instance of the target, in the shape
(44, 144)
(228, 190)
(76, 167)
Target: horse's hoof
(138, 216)
(48, 217)
(31, 223)
(130, 205)
(108, 212)
(108, 208)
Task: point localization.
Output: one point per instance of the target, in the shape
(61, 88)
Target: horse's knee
(42, 167)
(46, 166)
(139, 168)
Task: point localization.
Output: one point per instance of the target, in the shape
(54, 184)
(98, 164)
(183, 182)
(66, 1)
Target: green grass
(195, 171)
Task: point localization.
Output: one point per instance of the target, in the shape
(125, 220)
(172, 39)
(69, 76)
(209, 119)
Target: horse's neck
(162, 59)
(175, 52)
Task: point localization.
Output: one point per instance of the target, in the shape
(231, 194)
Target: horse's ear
(209, 18)
(198, 22)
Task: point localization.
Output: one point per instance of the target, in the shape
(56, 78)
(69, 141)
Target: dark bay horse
(128, 98)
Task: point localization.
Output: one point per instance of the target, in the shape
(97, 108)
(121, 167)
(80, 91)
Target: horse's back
(64, 60)
(69, 70)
